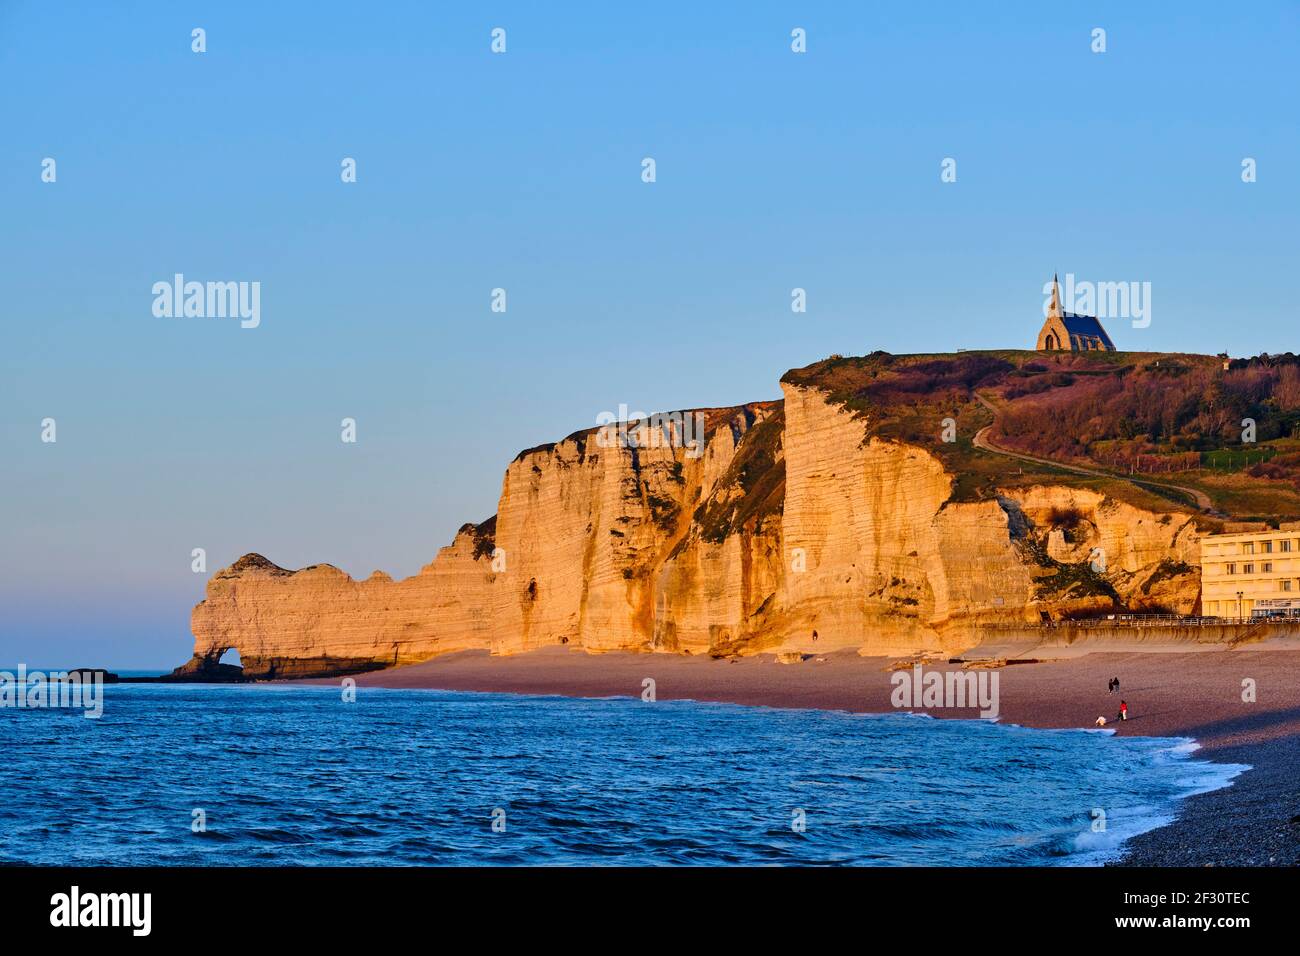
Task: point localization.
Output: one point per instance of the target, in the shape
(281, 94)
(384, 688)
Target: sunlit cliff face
(793, 531)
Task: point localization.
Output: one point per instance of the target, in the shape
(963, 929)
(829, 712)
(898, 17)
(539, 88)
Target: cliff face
(794, 530)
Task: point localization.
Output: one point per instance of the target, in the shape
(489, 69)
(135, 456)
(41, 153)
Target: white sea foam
(1123, 823)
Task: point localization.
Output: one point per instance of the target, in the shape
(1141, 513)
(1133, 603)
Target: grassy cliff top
(714, 418)
(1164, 429)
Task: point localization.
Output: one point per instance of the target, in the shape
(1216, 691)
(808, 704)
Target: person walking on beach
(1110, 685)
(1123, 710)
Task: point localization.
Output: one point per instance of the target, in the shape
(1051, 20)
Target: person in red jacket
(1123, 710)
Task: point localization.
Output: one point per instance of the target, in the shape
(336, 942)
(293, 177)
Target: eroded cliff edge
(802, 526)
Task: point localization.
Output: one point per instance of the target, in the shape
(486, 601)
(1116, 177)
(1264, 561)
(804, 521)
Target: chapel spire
(1054, 309)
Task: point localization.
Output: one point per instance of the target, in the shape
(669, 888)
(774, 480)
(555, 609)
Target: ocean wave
(289, 775)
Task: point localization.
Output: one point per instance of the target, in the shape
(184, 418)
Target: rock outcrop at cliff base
(797, 530)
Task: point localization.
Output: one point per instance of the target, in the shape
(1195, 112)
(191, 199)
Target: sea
(291, 775)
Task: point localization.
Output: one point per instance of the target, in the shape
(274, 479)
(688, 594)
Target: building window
(1268, 547)
(1232, 568)
(1268, 567)
(1248, 547)
(1248, 569)
(1286, 545)
(1286, 585)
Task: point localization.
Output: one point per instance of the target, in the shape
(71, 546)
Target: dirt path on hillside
(984, 443)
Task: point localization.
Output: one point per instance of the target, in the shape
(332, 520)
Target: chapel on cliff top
(1067, 332)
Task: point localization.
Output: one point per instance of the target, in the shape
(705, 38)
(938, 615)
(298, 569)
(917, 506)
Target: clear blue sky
(522, 170)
